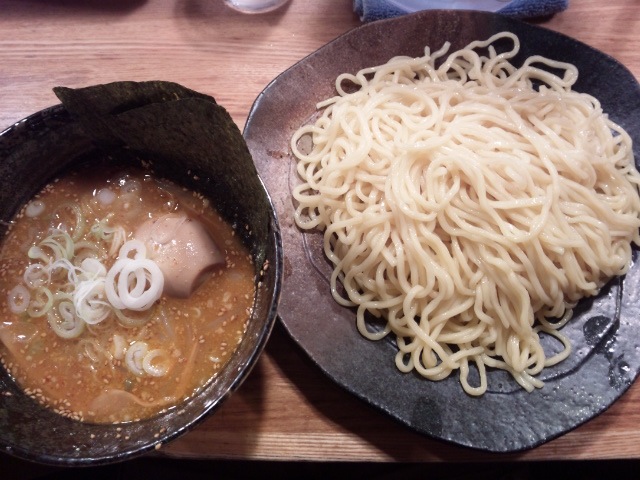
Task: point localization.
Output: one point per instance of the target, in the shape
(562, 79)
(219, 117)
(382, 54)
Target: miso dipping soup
(121, 295)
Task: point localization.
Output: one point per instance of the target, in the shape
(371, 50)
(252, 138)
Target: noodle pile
(469, 203)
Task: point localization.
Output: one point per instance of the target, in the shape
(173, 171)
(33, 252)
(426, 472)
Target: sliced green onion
(134, 357)
(41, 302)
(65, 323)
(18, 299)
(151, 366)
(77, 228)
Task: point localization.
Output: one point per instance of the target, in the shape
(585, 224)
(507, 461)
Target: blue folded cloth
(370, 10)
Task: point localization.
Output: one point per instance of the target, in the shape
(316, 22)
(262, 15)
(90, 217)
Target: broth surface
(87, 377)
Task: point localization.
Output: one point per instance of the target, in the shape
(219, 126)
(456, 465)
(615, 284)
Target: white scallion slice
(18, 299)
(134, 357)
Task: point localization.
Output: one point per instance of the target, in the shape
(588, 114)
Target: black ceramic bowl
(205, 153)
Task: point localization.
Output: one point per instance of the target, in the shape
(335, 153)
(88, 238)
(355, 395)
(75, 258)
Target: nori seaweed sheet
(183, 135)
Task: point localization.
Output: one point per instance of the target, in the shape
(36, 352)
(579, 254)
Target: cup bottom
(255, 6)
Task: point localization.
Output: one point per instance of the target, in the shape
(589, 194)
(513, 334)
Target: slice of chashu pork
(183, 249)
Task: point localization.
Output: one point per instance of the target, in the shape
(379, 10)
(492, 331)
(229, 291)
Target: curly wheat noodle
(468, 204)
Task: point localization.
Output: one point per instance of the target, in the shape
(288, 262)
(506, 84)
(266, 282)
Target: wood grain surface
(287, 409)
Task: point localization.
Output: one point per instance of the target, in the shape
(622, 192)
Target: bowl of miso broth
(141, 263)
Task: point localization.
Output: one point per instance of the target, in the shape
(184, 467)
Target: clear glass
(255, 6)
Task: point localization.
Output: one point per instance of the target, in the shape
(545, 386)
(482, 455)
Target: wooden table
(287, 409)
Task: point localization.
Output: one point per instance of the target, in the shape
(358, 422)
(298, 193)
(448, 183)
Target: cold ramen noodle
(120, 297)
(469, 203)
